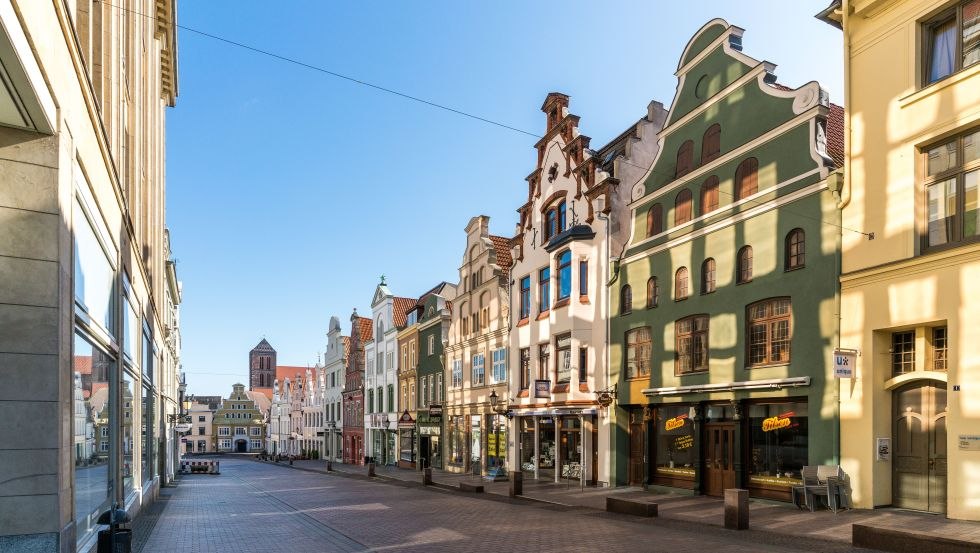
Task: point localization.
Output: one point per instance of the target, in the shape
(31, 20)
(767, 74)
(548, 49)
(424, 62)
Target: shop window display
(527, 444)
(92, 368)
(674, 442)
(407, 442)
(457, 441)
(127, 432)
(778, 443)
(476, 440)
(571, 448)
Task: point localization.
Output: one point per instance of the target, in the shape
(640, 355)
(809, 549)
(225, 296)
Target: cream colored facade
(478, 328)
(84, 261)
(200, 438)
(909, 305)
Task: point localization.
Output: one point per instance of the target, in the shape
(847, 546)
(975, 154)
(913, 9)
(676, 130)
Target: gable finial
(382, 280)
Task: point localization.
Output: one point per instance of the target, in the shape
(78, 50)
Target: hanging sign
(777, 422)
(844, 361)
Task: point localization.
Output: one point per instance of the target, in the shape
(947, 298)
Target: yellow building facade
(910, 304)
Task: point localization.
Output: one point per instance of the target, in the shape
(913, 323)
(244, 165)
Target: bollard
(426, 477)
(370, 469)
(516, 483)
(329, 465)
(737, 509)
(290, 460)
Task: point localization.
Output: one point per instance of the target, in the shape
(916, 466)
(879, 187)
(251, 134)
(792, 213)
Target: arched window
(381, 330)
(743, 271)
(655, 220)
(708, 276)
(685, 159)
(625, 300)
(680, 284)
(682, 207)
(768, 331)
(564, 275)
(795, 249)
(709, 195)
(711, 144)
(653, 293)
(747, 178)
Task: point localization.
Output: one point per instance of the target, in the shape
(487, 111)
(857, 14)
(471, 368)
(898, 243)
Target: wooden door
(719, 458)
(636, 454)
(919, 464)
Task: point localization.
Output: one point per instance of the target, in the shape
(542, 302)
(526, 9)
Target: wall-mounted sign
(883, 449)
(969, 442)
(182, 427)
(435, 410)
(844, 361)
(675, 422)
(683, 442)
(542, 388)
(777, 422)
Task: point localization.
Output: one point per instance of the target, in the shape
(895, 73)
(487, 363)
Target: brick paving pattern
(255, 506)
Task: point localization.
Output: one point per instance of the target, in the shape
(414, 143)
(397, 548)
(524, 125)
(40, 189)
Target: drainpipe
(606, 354)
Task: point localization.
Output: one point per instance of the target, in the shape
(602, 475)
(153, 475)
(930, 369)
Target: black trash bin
(116, 539)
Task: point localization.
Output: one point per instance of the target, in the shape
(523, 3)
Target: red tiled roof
(402, 306)
(835, 134)
(365, 329)
(346, 340)
(291, 372)
(502, 247)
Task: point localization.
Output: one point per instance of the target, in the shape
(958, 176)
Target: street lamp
(384, 437)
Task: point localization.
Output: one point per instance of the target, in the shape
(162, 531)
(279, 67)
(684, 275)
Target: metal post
(537, 446)
(582, 450)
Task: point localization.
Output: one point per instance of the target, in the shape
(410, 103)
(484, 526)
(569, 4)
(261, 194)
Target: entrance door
(919, 467)
(424, 461)
(719, 458)
(241, 446)
(636, 448)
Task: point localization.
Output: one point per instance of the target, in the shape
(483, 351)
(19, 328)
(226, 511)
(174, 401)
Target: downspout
(844, 201)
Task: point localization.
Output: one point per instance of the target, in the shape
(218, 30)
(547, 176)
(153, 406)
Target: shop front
(407, 448)
(758, 444)
(429, 427)
(558, 446)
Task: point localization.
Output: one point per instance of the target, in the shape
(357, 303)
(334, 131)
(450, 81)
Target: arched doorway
(241, 446)
(919, 465)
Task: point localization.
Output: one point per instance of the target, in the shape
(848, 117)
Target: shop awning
(770, 384)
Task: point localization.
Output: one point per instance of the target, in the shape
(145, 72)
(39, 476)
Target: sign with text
(883, 449)
(969, 442)
(844, 361)
(542, 388)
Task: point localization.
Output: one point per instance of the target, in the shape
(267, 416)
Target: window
(551, 221)
(682, 207)
(525, 368)
(583, 364)
(708, 276)
(423, 391)
(639, 350)
(543, 355)
(655, 220)
(691, 343)
(200, 418)
(952, 41)
(680, 284)
(625, 300)
(224, 431)
(563, 363)
(564, 274)
(583, 278)
(653, 293)
(952, 177)
(685, 159)
(769, 331)
(561, 218)
(711, 143)
(903, 352)
(94, 274)
(381, 400)
(709, 195)
(544, 289)
(457, 373)
(200, 430)
(240, 431)
(478, 370)
(940, 347)
(743, 271)
(432, 344)
(370, 401)
(255, 431)
(256, 445)
(795, 249)
(747, 178)
(436, 388)
(499, 367)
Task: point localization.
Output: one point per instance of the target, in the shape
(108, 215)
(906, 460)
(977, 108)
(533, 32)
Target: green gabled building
(434, 315)
(723, 312)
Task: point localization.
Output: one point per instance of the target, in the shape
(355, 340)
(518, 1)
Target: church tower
(261, 366)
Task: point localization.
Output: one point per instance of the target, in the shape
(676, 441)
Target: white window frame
(499, 367)
(224, 431)
(457, 376)
(479, 362)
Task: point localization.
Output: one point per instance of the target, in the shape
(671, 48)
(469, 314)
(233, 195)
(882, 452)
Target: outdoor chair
(828, 481)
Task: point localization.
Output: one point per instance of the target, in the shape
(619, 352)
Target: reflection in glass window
(92, 368)
(674, 442)
(93, 273)
(127, 432)
(778, 443)
(149, 444)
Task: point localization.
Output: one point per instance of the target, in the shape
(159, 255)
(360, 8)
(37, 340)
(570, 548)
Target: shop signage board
(883, 449)
(182, 427)
(969, 442)
(542, 388)
(435, 410)
(844, 361)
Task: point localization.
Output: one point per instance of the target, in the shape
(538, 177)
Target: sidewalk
(766, 516)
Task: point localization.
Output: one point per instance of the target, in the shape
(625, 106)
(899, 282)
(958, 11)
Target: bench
(473, 488)
(636, 507)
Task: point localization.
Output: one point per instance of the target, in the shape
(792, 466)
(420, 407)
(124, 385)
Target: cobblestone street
(261, 507)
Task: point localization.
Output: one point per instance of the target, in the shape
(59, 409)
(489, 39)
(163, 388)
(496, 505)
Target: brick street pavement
(256, 506)
(769, 516)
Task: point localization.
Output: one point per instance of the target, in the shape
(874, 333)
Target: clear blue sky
(290, 191)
